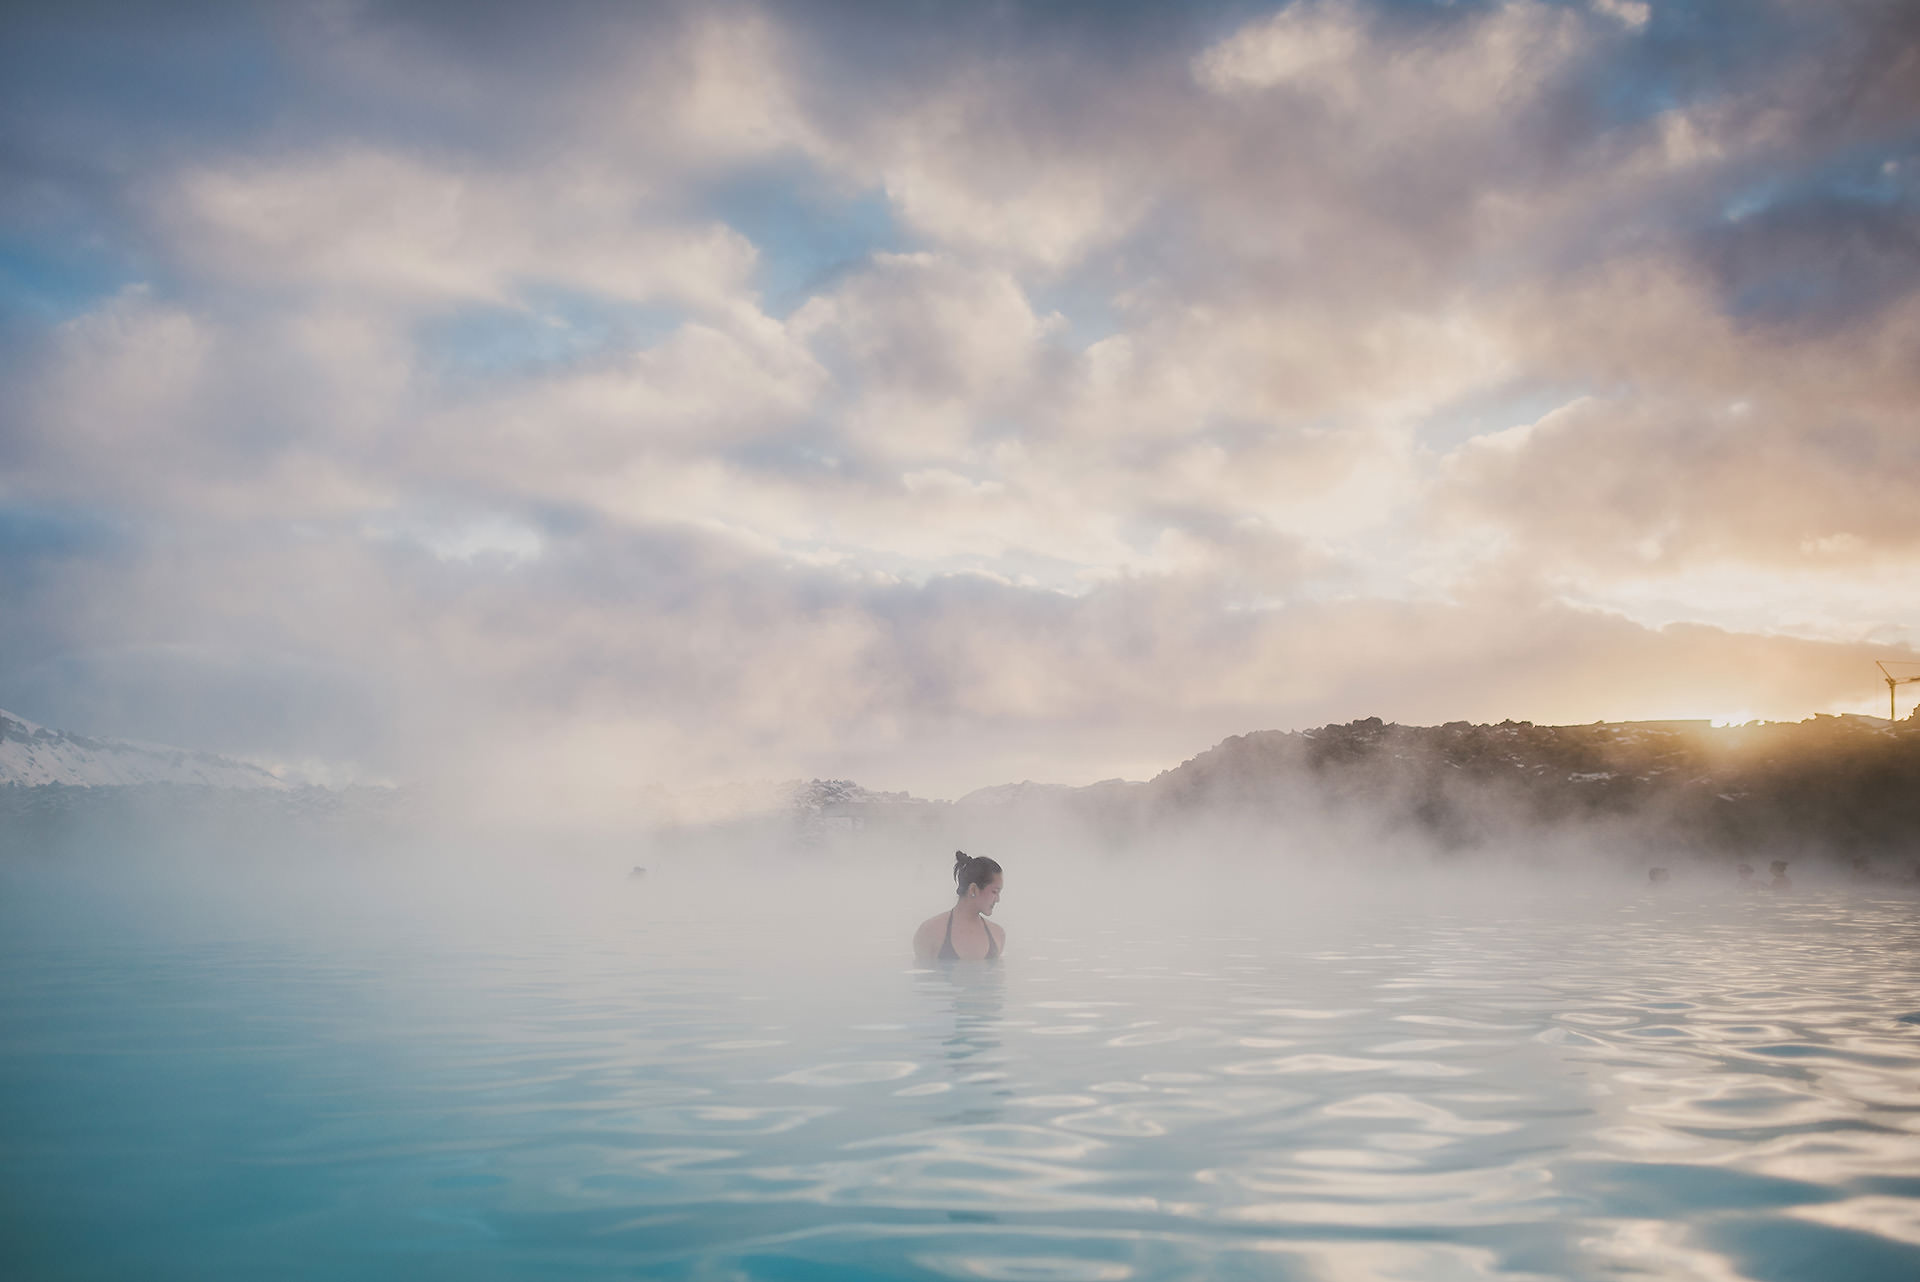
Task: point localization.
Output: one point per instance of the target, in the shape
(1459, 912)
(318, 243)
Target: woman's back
(941, 938)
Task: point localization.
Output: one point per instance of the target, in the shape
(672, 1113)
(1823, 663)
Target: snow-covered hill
(32, 756)
(1015, 794)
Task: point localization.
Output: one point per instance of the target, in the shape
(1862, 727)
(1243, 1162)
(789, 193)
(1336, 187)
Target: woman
(965, 934)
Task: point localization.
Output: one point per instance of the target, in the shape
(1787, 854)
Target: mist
(771, 893)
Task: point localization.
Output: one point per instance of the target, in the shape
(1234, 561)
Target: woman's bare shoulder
(999, 935)
(926, 940)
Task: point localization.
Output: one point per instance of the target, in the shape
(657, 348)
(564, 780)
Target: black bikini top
(946, 945)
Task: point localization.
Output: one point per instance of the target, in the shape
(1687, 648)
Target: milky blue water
(334, 1079)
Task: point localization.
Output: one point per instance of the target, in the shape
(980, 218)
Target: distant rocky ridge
(1841, 786)
(63, 791)
(33, 756)
(1014, 794)
(1837, 786)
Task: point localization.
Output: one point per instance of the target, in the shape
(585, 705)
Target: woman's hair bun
(972, 870)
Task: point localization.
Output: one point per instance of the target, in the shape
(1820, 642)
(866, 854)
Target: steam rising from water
(1190, 1063)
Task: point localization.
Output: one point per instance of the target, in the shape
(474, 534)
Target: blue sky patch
(551, 327)
(48, 284)
(32, 532)
(808, 233)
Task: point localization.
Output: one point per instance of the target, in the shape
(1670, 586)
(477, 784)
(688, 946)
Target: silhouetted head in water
(1656, 875)
(1780, 880)
(1746, 872)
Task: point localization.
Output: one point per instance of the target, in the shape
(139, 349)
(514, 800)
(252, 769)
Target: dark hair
(972, 870)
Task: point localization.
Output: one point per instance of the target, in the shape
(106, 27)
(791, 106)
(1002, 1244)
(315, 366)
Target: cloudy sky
(947, 394)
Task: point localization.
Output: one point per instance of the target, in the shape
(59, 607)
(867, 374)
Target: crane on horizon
(1894, 682)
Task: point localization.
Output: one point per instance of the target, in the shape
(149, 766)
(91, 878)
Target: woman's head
(976, 878)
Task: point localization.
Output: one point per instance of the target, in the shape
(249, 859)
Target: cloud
(694, 658)
(923, 328)
(1715, 438)
(1626, 483)
(1010, 392)
(1632, 14)
(374, 222)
